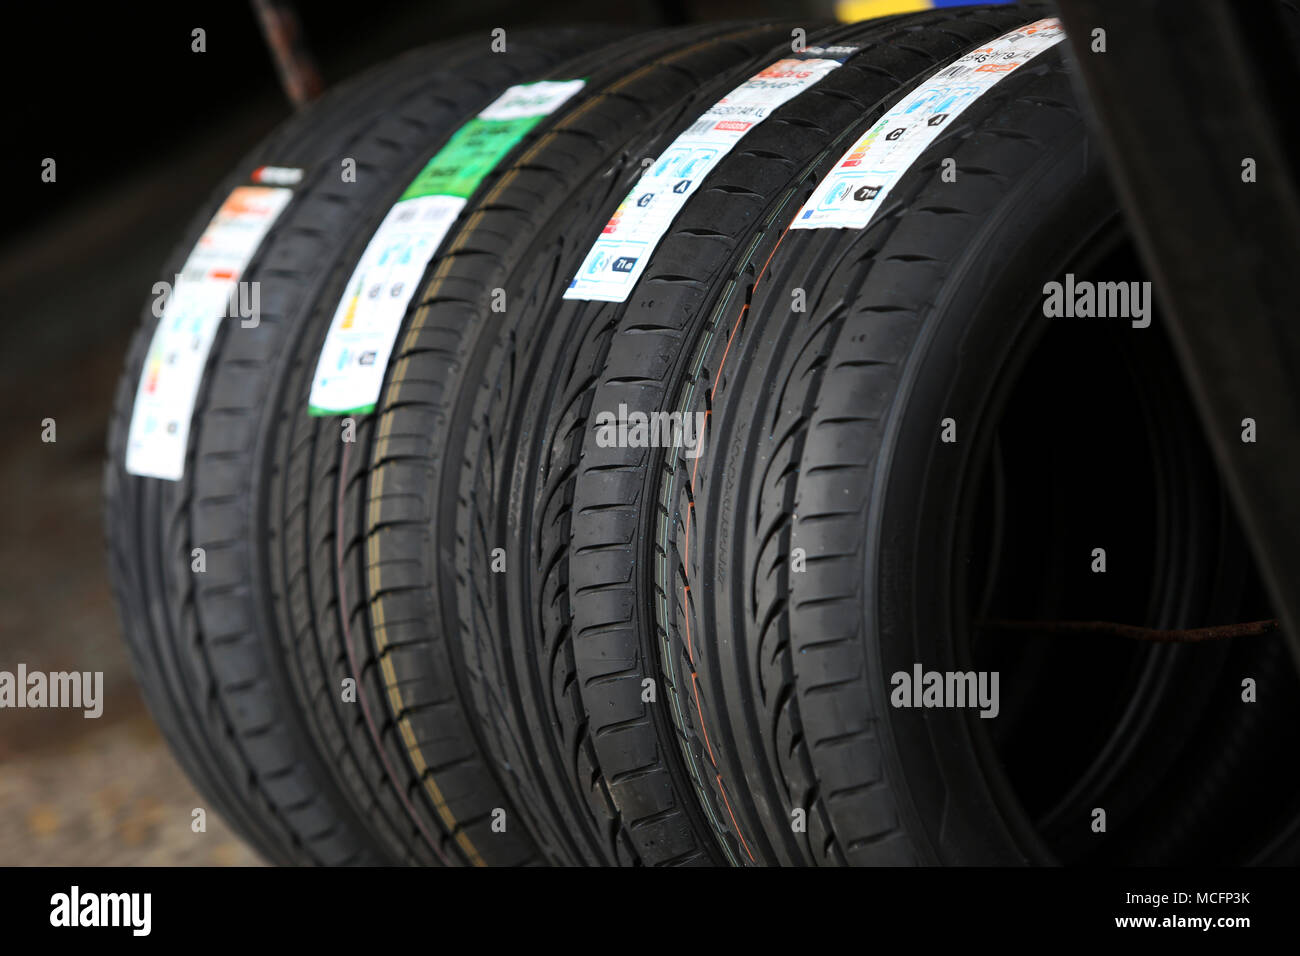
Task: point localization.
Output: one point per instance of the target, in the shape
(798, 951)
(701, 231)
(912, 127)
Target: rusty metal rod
(295, 65)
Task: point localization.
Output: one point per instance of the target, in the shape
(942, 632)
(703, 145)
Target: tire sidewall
(948, 781)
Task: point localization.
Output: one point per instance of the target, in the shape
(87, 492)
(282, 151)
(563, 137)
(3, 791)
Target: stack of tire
(409, 578)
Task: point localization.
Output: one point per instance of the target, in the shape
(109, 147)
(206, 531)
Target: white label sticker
(857, 186)
(620, 254)
(350, 371)
(276, 176)
(200, 297)
(531, 99)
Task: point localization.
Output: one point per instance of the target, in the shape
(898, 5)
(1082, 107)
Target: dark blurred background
(141, 129)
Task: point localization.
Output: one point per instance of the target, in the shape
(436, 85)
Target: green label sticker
(352, 363)
(469, 156)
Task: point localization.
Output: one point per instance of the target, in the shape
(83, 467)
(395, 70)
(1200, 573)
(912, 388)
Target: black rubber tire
(207, 649)
(453, 463)
(410, 669)
(708, 257)
(823, 435)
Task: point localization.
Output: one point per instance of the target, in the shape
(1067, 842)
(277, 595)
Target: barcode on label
(954, 71)
(700, 126)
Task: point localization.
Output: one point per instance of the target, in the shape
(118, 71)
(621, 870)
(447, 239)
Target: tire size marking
(856, 187)
(619, 255)
(178, 353)
(352, 362)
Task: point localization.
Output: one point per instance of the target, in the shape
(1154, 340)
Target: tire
(456, 446)
(823, 435)
(649, 339)
(408, 665)
(208, 649)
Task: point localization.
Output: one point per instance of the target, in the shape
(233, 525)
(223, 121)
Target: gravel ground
(74, 790)
(109, 796)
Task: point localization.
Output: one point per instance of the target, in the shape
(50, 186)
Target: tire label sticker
(857, 185)
(201, 297)
(353, 360)
(619, 255)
